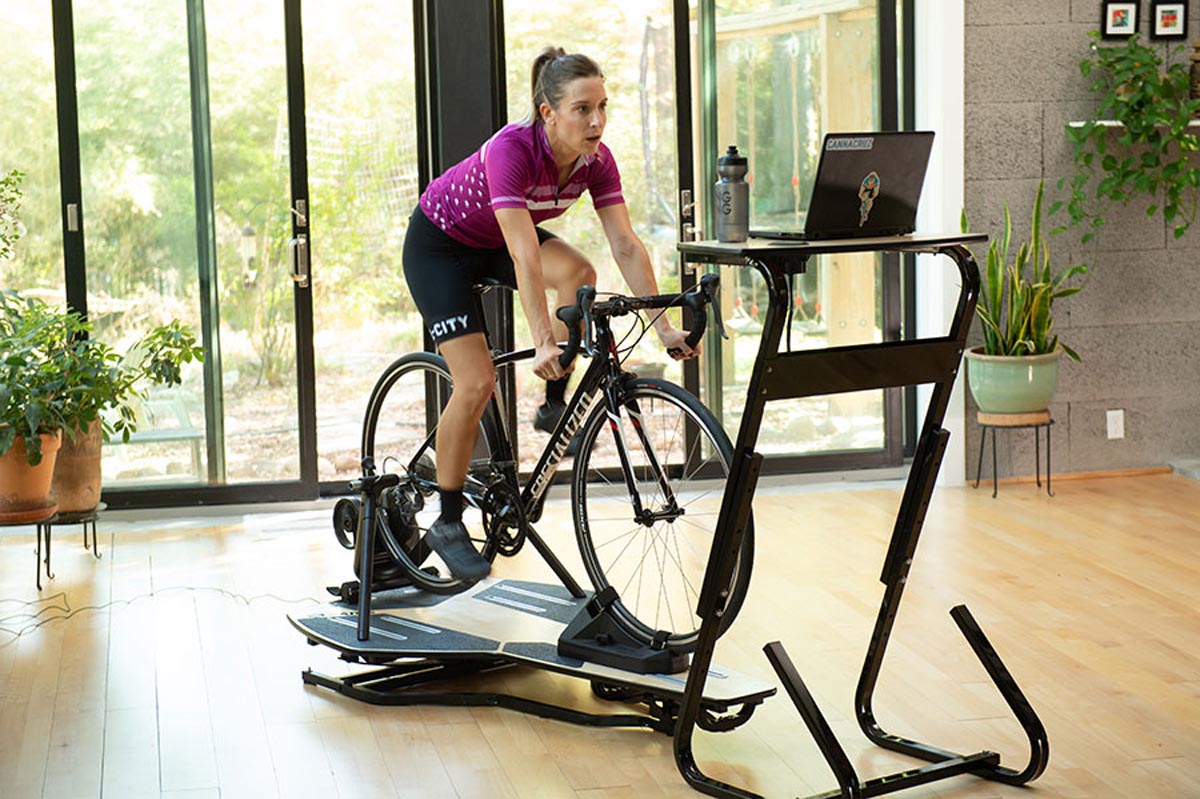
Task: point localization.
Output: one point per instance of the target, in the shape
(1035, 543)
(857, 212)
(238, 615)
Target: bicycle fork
(613, 404)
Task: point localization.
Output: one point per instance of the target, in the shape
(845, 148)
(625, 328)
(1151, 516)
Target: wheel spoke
(660, 575)
(401, 432)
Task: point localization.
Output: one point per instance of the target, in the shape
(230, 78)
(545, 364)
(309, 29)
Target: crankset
(506, 522)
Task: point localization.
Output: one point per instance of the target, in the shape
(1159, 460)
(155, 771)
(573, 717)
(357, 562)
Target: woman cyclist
(479, 219)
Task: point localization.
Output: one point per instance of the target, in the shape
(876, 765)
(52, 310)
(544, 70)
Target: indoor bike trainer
(419, 626)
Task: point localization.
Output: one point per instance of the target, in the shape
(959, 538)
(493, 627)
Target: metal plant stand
(46, 527)
(1015, 421)
(787, 375)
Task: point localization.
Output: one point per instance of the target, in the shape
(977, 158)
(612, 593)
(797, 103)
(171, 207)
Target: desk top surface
(758, 248)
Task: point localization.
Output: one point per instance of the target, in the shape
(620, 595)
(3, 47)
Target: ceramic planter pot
(25, 489)
(1012, 384)
(76, 486)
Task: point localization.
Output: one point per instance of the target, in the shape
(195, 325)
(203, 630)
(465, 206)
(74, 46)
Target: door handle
(687, 215)
(299, 247)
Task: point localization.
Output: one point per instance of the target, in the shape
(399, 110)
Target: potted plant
(32, 408)
(1138, 141)
(56, 378)
(1016, 369)
(103, 389)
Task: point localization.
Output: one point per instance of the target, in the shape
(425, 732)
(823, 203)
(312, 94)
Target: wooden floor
(167, 668)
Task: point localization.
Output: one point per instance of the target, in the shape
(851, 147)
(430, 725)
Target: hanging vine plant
(1138, 142)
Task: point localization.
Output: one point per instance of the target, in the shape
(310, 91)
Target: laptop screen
(867, 185)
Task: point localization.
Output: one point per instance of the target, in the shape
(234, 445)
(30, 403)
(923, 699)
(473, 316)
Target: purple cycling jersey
(514, 169)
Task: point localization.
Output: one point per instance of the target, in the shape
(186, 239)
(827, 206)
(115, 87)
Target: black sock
(556, 391)
(452, 504)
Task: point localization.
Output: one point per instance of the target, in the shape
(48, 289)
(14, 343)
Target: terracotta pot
(76, 485)
(25, 489)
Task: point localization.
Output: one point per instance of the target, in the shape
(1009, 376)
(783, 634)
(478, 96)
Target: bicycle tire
(399, 434)
(685, 435)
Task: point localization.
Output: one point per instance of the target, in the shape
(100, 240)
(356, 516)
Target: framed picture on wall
(1168, 20)
(1120, 19)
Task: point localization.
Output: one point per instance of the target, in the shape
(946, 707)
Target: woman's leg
(474, 377)
(564, 271)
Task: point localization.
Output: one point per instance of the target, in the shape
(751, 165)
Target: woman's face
(575, 127)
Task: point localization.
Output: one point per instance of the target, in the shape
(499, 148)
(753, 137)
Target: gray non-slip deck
(515, 620)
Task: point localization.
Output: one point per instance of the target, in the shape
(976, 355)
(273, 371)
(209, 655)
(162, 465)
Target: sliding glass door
(185, 167)
(203, 128)
(249, 167)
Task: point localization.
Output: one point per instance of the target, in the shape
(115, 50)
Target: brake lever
(585, 304)
(710, 289)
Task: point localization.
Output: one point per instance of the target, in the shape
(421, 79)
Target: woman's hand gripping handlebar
(572, 316)
(586, 309)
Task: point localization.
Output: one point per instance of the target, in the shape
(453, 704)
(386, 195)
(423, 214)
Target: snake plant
(1017, 297)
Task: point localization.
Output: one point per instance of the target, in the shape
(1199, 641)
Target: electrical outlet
(1116, 423)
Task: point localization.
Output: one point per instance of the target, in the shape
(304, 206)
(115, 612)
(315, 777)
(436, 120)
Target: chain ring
(507, 515)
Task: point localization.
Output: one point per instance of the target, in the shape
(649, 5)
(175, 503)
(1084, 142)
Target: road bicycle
(646, 483)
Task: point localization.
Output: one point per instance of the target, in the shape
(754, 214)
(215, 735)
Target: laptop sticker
(868, 190)
(855, 143)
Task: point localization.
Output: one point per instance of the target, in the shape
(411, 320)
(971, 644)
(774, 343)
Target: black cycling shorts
(442, 272)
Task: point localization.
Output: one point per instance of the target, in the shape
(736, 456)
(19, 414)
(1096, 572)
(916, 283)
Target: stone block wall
(1136, 324)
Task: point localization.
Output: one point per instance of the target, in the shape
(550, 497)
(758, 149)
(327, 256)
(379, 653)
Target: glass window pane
(360, 90)
(29, 143)
(247, 92)
(633, 44)
(139, 213)
(786, 74)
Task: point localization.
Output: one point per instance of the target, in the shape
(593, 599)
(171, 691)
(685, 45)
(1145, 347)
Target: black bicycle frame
(603, 376)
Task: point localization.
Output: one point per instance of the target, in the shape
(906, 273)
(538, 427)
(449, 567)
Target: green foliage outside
(11, 228)
(139, 214)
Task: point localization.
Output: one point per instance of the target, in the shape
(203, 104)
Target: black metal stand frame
(44, 532)
(408, 683)
(778, 376)
(1037, 452)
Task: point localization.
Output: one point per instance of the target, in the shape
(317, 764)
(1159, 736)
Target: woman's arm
(517, 226)
(634, 263)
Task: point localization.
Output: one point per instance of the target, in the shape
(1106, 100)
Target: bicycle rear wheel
(400, 435)
(647, 529)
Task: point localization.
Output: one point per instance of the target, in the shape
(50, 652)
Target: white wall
(940, 63)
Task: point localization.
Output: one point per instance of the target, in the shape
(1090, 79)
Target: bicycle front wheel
(400, 432)
(646, 492)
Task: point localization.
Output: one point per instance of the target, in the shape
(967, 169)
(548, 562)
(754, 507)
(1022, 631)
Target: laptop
(867, 185)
